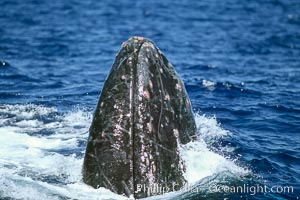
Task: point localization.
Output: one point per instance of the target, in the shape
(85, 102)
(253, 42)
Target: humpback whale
(143, 115)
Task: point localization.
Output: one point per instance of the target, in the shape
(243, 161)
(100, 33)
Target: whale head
(143, 115)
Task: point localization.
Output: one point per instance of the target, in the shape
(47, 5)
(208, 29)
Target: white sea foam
(209, 128)
(40, 166)
(200, 160)
(210, 85)
(27, 111)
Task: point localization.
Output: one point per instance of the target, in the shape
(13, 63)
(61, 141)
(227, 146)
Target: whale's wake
(42, 150)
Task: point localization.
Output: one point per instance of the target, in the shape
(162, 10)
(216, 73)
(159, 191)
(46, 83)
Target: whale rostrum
(143, 115)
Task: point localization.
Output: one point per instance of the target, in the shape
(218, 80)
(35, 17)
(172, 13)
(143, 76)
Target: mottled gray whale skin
(143, 115)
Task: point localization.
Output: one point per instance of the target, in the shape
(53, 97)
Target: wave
(42, 150)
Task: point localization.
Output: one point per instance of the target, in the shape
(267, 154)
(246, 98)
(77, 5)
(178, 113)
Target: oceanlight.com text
(157, 189)
(251, 189)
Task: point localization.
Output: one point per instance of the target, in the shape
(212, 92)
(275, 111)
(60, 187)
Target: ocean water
(240, 61)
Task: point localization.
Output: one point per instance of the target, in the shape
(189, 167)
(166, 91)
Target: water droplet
(176, 132)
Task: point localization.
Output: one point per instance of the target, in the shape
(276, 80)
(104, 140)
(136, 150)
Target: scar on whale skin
(143, 115)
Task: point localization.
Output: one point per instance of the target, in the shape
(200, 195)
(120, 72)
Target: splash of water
(41, 153)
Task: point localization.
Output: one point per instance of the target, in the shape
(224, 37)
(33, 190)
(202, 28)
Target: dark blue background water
(240, 61)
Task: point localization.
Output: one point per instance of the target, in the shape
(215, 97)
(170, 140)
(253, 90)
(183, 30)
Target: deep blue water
(240, 61)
